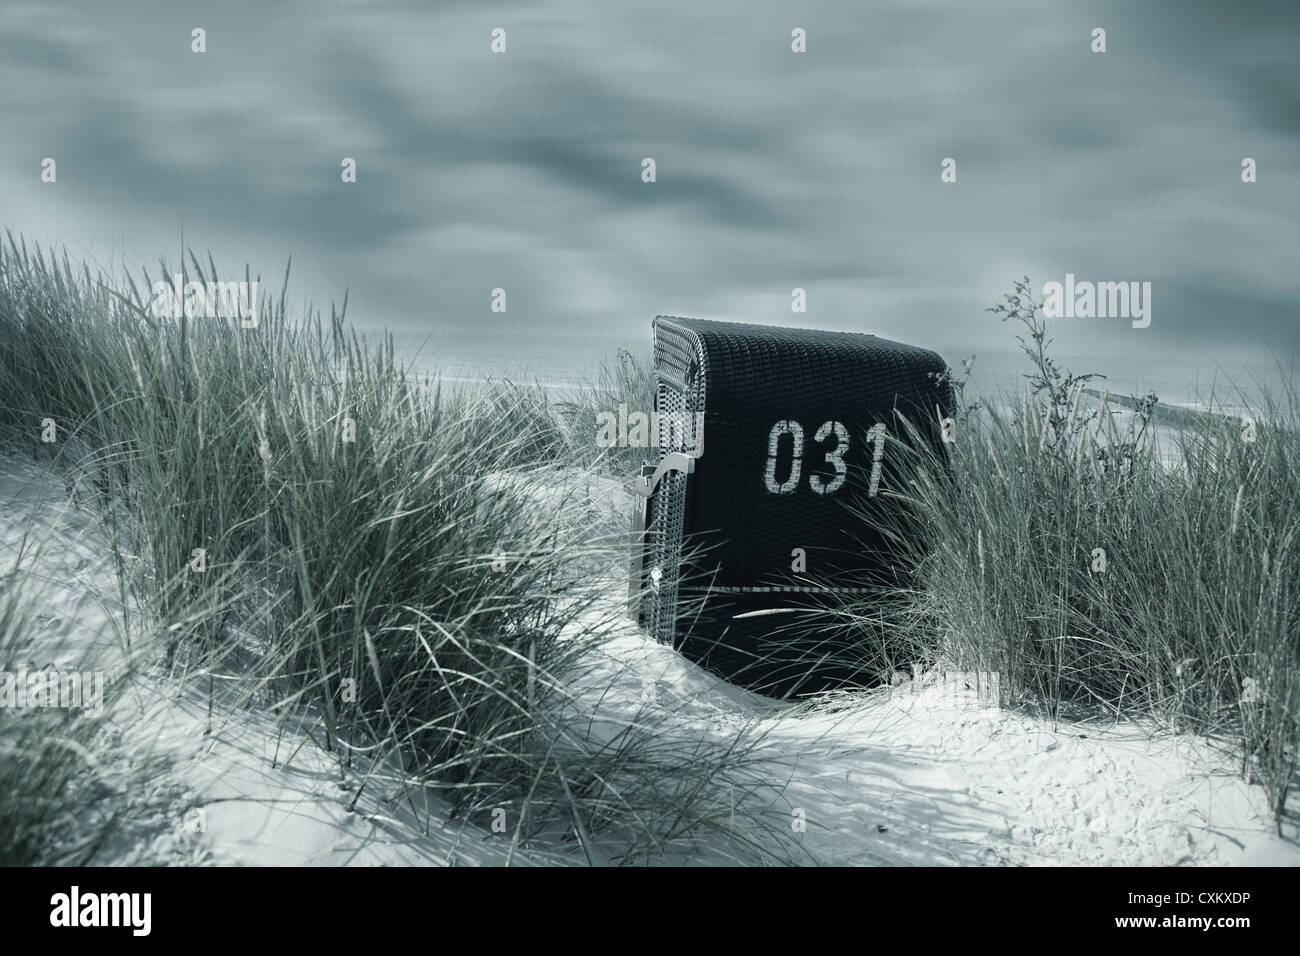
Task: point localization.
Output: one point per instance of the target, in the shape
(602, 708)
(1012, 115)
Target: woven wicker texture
(723, 540)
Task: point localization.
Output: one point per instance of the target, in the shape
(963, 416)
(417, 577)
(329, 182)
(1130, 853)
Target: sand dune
(908, 775)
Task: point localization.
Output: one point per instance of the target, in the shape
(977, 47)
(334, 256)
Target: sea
(559, 363)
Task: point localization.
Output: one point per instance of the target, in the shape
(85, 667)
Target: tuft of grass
(1064, 553)
(70, 792)
(302, 519)
(563, 426)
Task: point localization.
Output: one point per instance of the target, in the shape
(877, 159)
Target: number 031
(835, 457)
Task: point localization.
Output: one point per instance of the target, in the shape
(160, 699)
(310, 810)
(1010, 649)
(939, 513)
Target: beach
(904, 775)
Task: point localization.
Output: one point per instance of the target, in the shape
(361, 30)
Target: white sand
(899, 778)
(923, 778)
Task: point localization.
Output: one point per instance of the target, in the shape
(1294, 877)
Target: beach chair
(767, 504)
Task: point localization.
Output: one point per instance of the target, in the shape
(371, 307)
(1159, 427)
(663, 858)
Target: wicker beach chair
(748, 529)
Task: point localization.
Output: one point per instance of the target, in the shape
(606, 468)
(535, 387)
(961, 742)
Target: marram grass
(1062, 551)
(293, 512)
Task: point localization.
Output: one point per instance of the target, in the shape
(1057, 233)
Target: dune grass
(77, 787)
(294, 512)
(562, 425)
(50, 804)
(1063, 554)
(299, 520)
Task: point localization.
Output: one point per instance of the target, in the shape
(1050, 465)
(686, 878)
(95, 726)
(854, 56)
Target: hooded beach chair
(767, 504)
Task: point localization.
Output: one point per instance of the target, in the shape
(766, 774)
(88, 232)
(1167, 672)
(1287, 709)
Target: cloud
(775, 170)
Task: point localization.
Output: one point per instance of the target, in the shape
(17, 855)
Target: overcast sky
(775, 170)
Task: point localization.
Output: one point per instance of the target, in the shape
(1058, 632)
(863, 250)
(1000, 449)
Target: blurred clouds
(775, 170)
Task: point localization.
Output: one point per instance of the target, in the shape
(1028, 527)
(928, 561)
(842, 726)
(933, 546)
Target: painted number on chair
(778, 450)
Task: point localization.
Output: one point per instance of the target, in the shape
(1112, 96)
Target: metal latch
(644, 489)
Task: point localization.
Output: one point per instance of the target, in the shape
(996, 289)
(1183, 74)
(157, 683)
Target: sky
(775, 170)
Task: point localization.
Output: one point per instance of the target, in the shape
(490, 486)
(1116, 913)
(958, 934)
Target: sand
(911, 775)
